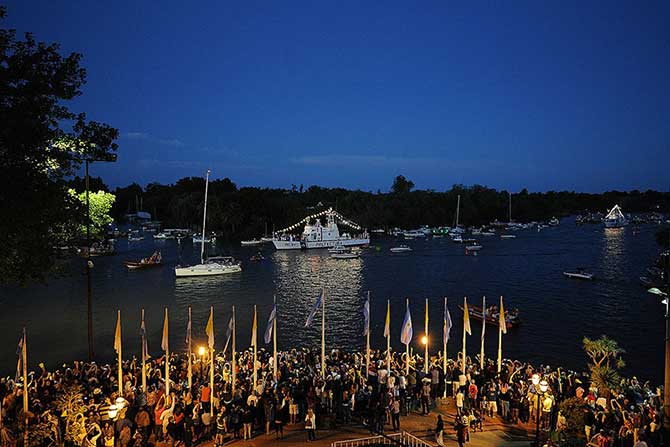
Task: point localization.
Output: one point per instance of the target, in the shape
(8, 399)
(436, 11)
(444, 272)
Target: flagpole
(24, 355)
(255, 343)
(190, 350)
(367, 342)
(167, 356)
(388, 338)
(118, 316)
(425, 355)
(465, 301)
(144, 353)
(500, 335)
(323, 333)
(481, 352)
(211, 365)
(233, 357)
(444, 349)
(274, 342)
(407, 349)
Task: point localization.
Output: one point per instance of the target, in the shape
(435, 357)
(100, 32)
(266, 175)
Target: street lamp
(89, 264)
(666, 376)
(201, 353)
(540, 386)
(424, 341)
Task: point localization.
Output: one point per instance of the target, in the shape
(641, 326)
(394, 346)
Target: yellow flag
(117, 333)
(387, 325)
(466, 317)
(426, 318)
(209, 329)
(254, 330)
(502, 322)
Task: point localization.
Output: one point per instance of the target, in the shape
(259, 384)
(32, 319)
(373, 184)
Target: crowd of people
(79, 404)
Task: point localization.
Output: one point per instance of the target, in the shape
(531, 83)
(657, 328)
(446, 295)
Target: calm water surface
(557, 312)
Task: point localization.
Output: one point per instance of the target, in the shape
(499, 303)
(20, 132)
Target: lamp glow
(201, 351)
(424, 340)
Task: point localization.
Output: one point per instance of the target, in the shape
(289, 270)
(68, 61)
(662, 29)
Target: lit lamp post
(541, 387)
(424, 341)
(201, 353)
(89, 263)
(666, 376)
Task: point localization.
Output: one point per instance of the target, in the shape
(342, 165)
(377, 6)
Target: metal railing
(403, 439)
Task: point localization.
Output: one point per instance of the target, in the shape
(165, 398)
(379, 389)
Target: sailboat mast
(458, 209)
(204, 219)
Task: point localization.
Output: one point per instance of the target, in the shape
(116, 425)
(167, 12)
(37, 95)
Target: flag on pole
(387, 325)
(466, 317)
(366, 317)
(229, 332)
(117, 334)
(447, 323)
(315, 308)
(254, 329)
(209, 329)
(165, 344)
(501, 318)
(145, 343)
(426, 326)
(19, 353)
(406, 332)
(268, 330)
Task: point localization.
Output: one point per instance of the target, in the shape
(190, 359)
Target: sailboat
(457, 230)
(219, 265)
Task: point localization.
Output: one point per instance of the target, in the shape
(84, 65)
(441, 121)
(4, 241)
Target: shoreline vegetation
(248, 212)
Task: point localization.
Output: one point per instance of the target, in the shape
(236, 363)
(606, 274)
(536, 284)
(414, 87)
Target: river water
(557, 312)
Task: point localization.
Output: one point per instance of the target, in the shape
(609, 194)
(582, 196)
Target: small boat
(488, 233)
(512, 318)
(400, 249)
(507, 236)
(251, 242)
(345, 255)
(579, 274)
(457, 239)
(257, 257)
(198, 239)
(469, 240)
(473, 247)
(219, 265)
(155, 260)
(553, 222)
(135, 236)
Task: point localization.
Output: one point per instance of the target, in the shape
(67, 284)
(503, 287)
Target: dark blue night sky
(545, 95)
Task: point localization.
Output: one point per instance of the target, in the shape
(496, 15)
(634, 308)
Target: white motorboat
(553, 222)
(316, 235)
(507, 236)
(252, 242)
(488, 233)
(579, 274)
(457, 239)
(199, 239)
(473, 247)
(213, 266)
(401, 249)
(413, 234)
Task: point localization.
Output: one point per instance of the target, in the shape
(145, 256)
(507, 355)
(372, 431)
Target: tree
(573, 411)
(605, 355)
(401, 185)
(42, 144)
(100, 205)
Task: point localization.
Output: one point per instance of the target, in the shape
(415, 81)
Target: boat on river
(615, 218)
(317, 235)
(155, 260)
(580, 273)
(251, 242)
(473, 247)
(507, 236)
(219, 265)
(401, 249)
(512, 318)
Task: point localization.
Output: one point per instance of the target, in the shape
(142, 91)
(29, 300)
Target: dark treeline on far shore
(244, 212)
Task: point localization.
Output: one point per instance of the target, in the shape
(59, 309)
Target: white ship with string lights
(615, 218)
(316, 235)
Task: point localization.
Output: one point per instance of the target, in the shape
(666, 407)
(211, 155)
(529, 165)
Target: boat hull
(297, 245)
(206, 270)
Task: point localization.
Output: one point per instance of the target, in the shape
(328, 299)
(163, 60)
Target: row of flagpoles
(406, 335)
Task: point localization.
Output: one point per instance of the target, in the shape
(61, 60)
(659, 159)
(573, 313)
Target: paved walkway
(496, 433)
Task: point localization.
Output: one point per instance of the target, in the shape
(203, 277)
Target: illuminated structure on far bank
(316, 235)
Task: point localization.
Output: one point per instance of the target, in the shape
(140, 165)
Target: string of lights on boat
(307, 219)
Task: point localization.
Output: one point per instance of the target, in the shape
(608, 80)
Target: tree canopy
(42, 144)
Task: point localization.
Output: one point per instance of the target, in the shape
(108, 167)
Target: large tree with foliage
(605, 356)
(100, 204)
(42, 144)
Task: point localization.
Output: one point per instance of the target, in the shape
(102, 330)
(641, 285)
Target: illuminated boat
(317, 235)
